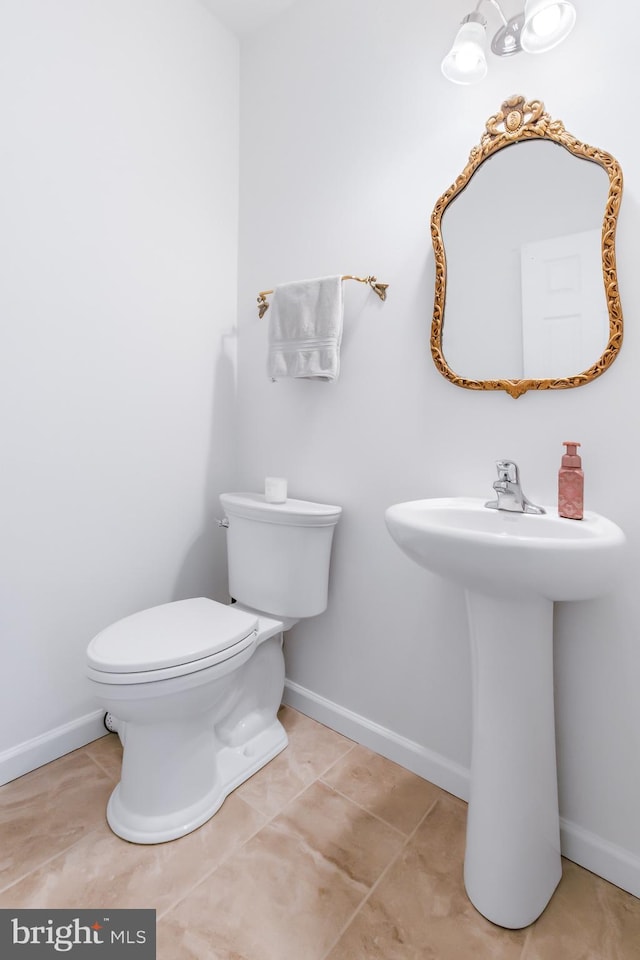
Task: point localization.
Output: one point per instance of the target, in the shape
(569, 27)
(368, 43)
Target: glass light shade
(546, 24)
(466, 62)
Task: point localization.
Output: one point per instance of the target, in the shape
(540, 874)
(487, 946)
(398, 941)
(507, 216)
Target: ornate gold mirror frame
(519, 120)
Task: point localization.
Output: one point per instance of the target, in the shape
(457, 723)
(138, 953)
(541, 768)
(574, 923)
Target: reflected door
(565, 323)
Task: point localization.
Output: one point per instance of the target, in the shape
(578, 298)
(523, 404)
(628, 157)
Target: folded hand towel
(305, 329)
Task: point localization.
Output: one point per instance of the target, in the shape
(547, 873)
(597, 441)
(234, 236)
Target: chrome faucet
(509, 492)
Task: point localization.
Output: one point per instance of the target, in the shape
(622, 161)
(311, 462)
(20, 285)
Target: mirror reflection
(526, 291)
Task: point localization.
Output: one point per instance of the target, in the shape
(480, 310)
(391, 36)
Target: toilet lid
(172, 633)
(293, 513)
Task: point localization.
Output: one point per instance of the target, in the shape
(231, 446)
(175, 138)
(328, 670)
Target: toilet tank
(278, 553)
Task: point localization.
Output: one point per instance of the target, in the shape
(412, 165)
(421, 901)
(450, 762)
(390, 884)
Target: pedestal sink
(513, 566)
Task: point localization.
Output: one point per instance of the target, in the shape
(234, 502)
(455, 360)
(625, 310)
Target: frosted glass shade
(466, 61)
(546, 24)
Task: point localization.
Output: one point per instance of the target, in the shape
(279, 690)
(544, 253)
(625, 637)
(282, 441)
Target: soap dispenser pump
(571, 484)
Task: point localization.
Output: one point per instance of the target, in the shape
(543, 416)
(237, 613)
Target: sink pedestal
(512, 862)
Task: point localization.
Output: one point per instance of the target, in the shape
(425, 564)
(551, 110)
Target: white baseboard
(49, 746)
(587, 849)
(432, 766)
(605, 859)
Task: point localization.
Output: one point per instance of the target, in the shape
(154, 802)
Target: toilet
(193, 687)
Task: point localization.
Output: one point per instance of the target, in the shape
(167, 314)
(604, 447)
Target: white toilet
(195, 685)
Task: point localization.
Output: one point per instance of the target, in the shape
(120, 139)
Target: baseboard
(426, 763)
(587, 849)
(49, 746)
(605, 859)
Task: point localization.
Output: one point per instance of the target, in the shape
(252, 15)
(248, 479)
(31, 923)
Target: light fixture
(540, 26)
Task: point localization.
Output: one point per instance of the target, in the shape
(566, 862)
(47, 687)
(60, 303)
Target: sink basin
(513, 566)
(509, 554)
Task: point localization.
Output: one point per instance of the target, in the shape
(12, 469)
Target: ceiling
(244, 16)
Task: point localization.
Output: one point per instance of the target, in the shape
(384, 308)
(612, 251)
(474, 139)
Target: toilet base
(234, 766)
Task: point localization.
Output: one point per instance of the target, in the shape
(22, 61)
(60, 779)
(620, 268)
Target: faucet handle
(508, 470)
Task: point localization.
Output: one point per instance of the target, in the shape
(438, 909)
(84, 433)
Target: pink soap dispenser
(571, 484)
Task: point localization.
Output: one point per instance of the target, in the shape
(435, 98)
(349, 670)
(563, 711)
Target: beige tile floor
(329, 853)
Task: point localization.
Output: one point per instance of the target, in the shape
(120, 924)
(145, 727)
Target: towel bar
(379, 288)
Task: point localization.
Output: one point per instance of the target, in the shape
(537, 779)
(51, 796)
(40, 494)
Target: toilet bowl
(195, 685)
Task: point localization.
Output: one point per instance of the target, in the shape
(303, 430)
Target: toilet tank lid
(301, 513)
(170, 634)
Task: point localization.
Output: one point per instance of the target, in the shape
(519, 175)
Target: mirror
(526, 293)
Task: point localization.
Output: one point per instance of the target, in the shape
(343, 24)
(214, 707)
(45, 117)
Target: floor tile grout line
(424, 817)
(49, 860)
(339, 759)
(207, 876)
(356, 803)
(64, 850)
(273, 816)
(107, 773)
(525, 945)
(377, 883)
(294, 796)
(267, 822)
(529, 933)
(268, 819)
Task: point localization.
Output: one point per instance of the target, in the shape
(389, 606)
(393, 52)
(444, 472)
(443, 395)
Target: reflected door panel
(564, 319)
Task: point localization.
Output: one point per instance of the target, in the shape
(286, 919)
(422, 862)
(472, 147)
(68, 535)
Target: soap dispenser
(571, 484)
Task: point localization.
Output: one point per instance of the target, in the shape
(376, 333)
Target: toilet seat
(170, 640)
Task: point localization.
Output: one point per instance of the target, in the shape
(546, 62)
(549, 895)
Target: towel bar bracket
(263, 303)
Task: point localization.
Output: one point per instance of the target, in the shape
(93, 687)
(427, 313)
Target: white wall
(118, 272)
(349, 135)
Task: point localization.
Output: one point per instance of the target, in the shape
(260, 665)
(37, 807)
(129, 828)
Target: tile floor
(330, 852)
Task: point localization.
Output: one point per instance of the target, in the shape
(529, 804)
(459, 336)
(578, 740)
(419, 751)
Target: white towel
(305, 329)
